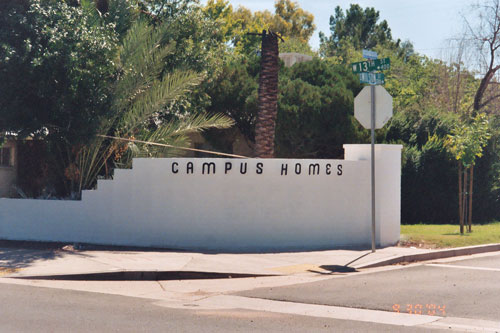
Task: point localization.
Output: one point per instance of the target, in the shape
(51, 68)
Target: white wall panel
(160, 202)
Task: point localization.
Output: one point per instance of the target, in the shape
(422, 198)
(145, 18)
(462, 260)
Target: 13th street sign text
(372, 78)
(371, 65)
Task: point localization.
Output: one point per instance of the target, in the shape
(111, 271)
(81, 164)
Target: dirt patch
(416, 244)
(8, 270)
(75, 247)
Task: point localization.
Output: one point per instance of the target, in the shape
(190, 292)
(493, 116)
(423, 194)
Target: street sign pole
(373, 164)
(367, 116)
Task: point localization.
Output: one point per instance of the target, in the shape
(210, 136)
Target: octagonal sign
(363, 107)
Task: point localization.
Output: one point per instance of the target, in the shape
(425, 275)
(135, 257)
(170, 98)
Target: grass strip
(448, 236)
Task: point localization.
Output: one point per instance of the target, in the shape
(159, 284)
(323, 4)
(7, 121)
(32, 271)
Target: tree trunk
(460, 211)
(464, 202)
(268, 97)
(470, 197)
(459, 76)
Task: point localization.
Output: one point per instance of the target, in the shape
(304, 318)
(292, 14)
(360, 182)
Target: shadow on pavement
(338, 268)
(42, 245)
(143, 276)
(334, 269)
(21, 258)
(22, 254)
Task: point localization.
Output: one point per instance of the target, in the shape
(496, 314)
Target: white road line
(468, 325)
(465, 267)
(314, 310)
(225, 302)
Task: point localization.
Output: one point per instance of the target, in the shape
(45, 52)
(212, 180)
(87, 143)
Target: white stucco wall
(260, 210)
(387, 188)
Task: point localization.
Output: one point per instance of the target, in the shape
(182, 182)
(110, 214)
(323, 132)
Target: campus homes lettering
(313, 169)
(256, 167)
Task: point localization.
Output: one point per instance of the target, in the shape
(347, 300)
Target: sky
(426, 23)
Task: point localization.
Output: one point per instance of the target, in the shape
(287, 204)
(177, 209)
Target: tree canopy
(158, 69)
(56, 67)
(289, 20)
(358, 27)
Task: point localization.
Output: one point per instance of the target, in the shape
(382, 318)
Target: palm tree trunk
(470, 197)
(268, 97)
(460, 211)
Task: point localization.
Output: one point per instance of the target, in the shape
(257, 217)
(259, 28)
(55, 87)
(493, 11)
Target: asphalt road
(465, 289)
(34, 309)
(465, 292)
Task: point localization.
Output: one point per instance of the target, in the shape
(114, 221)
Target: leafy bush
(315, 111)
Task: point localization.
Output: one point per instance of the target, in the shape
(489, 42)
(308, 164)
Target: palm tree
(141, 91)
(268, 96)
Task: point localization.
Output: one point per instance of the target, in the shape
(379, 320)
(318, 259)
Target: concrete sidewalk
(195, 291)
(17, 262)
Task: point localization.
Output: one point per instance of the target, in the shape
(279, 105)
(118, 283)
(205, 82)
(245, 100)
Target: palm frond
(140, 91)
(145, 150)
(155, 98)
(175, 133)
(201, 122)
(141, 62)
(90, 160)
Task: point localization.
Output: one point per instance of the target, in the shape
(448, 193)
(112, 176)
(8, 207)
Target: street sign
(371, 65)
(372, 78)
(383, 107)
(373, 108)
(368, 54)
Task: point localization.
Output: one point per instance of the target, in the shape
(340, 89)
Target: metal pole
(373, 164)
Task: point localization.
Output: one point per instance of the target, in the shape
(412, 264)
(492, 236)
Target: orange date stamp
(420, 309)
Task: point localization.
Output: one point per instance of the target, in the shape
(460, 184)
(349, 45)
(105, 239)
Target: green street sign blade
(370, 55)
(371, 65)
(372, 78)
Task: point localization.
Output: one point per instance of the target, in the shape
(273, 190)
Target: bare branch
(486, 38)
(489, 100)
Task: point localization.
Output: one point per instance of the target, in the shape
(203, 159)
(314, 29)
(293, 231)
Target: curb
(440, 254)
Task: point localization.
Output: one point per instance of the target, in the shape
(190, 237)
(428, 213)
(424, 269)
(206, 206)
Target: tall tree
(315, 98)
(292, 21)
(268, 96)
(200, 45)
(466, 143)
(56, 66)
(315, 110)
(81, 76)
(358, 27)
(484, 42)
(140, 92)
(295, 45)
(235, 93)
(289, 20)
